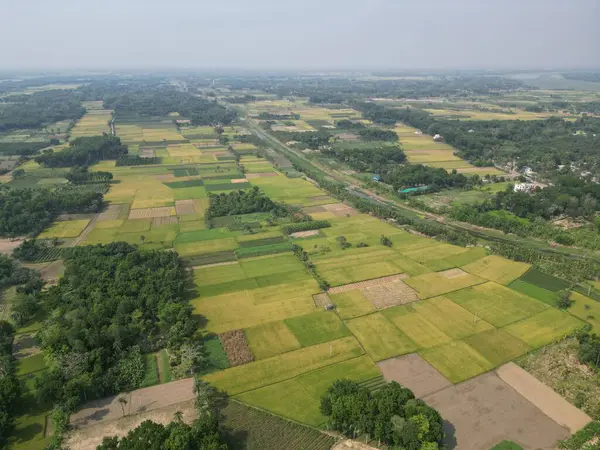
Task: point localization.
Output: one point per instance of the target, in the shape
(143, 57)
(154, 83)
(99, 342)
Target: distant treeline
(84, 151)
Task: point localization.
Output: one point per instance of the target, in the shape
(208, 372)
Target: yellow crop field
(65, 229)
(498, 269)
(93, 123)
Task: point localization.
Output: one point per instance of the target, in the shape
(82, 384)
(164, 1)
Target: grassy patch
(545, 327)
(209, 246)
(270, 339)
(261, 250)
(587, 309)
(533, 291)
(456, 360)
(416, 327)
(303, 394)
(65, 229)
(380, 338)
(506, 445)
(136, 226)
(164, 368)
(31, 364)
(279, 368)
(545, 281)
(497, 346)
(452, 319)
(498, 269)
(497, 304)
(434, 284)
(318, 327)
(151, 376)
(351, 304)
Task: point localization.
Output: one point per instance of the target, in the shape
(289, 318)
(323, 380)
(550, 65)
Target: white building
(523, 187)
(438, 137)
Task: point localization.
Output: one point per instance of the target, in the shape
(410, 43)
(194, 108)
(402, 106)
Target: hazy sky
(299, 34)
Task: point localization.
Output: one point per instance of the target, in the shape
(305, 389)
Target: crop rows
(270, 249)
(134, 160)
(252, 429)
(46, 255)
(545, 281)
(210, 258)
(263, 241)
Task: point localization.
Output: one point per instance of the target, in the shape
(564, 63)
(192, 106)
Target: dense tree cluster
(377, 134)
(82, 175)
(84, 151)
(113, 304)
(242, 202)
(203, 434)
(22, 148)
(10, 389)
(34, 110)
(349, 125)
(415, 175)
(308, 139)
(589, 349)
(151, 98)
(368, 159)
(29, 211)
(391, 415)
(340, 90)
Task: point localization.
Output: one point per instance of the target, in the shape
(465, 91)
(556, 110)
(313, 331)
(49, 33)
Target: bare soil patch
(236, 346)
(147, 153)
(138, 401)
(392, 293)
(485, 410)
(51, 272)
(239, 180)
(158, 221)
(148, 213)
(261, 175)
(552, 404)
(64, 217)
(111, 213)
(183, 207)
(368, 283)
(351, 445)
(226, 263)
(302, 234)
(8, 245)
(341, 209)
(314, 209)
(90, 437)
(415, 373)
(452, 273)
(348, 137)
(322, 300)
(25, 345)
(165, 177)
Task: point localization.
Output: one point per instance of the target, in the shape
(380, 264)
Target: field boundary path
(90, 226)
(543, 397)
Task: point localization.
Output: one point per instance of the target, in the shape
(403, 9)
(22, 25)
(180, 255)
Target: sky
(299, 35)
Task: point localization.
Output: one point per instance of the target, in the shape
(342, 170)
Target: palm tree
(122, 401)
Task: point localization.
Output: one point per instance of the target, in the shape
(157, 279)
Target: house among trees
(523, 187)
(438, 137)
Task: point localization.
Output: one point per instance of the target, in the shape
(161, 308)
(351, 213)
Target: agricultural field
(269, 342)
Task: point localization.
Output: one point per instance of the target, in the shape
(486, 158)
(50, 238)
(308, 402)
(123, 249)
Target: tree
(122, 401)
(589, 349)
(564, 300)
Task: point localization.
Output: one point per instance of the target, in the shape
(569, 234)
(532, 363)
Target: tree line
(40, 108)
(84, 151)
(29, 211)
(242, 202)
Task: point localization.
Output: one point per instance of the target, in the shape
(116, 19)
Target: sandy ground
(485, 410)
(88, 438)
(415, 373)
(303, 234)
(146, 399)
(8, 245)
(183, 207)
(261, 175)
(149, 213)
(351, 445)
(111, 213)
(552, 404)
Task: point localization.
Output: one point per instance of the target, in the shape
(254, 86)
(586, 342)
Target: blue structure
(376, 178)
(413, 189)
